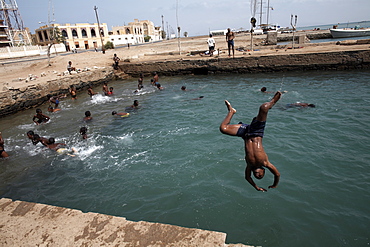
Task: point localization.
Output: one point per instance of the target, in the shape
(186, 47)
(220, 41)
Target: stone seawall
(34, 93)
(343, 60)
(34, 224)
(322, 34)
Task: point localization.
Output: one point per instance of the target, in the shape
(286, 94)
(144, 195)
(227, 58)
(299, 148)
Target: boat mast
(261, 13)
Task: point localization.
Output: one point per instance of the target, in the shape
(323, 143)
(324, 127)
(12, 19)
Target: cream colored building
(79, 36)
(135, 33)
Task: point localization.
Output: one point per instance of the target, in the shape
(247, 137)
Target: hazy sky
(196, 17)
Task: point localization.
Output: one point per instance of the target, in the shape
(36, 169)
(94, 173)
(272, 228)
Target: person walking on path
(252, 134)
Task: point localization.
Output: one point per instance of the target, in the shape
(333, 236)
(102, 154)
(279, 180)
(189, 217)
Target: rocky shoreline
(33, 95)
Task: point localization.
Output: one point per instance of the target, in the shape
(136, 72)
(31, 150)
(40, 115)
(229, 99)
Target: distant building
(218, 32)
(80, 35)
(135, 32)
(4, 40)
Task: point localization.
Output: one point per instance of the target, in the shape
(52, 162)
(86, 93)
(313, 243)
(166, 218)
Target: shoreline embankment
(35, 94)
(342, 60)
(34, 224)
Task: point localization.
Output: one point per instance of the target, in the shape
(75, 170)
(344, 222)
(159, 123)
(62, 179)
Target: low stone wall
(343, 60)
(35, 93)
(324, 34)
(34, 224)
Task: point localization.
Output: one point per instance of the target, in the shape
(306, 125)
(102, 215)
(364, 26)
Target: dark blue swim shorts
(256, 128)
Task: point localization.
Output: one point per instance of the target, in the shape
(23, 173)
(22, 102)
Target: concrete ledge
(33, 224)
(280, 61)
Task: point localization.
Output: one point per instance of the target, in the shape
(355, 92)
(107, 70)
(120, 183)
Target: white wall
(24, 51)
(124, 39)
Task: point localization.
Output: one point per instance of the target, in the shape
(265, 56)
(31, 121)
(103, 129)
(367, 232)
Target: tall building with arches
(77, 36)
(135, 32)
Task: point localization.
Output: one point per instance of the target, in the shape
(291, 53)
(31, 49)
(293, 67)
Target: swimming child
(30, 134)
(83, 132)
(55, 99)
(72, 91)
(200, 97)
(155, 78)
(140, 81)
(3, 154)
(90, 91)
(110, 92)
(120, 114)
(135, 105)
(42, 118)
(300, 105)
(51, 109)
(36, 139)
(105, 88)
(60, 148)
(88, 116)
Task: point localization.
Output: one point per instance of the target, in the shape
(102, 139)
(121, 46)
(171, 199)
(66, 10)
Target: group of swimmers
(50, 143)
(154, 82)
(41, 118)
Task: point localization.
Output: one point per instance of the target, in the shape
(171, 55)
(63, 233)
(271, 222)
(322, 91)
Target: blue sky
(196, 17)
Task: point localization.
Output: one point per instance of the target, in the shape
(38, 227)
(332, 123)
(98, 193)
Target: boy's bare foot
(276, 97)
(229, 107)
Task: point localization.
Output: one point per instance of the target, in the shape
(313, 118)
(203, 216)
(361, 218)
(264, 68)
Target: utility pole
(261, 14)
(101, 38)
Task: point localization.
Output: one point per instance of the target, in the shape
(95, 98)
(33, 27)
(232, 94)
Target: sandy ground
(15, 71)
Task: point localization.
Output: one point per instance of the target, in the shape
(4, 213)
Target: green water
(167, 162)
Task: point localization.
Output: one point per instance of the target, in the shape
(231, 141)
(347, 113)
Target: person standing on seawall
(211, 44)
(230, 41)
(116, 61)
